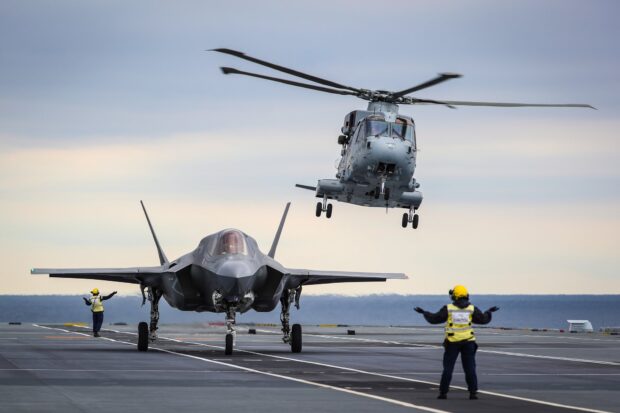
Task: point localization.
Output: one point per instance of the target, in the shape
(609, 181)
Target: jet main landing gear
(410, 217)
(143, 336)
(324, 207)
(148, 333)
(292, 337)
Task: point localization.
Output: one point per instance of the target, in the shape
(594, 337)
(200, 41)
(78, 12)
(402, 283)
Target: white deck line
(504, 353)
(280, 376)
(508, 396)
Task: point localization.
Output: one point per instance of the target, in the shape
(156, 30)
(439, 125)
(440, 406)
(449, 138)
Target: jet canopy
(229, 242)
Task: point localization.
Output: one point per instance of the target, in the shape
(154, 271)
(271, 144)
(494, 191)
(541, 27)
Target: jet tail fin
(272, 251)
(162, 257)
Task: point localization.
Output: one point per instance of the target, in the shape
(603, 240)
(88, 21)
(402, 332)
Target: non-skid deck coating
(63, 369)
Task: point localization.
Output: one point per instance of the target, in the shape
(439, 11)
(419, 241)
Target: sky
(106, 103)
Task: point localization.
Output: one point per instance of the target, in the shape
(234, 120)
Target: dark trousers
(467, 350)
(97, 321)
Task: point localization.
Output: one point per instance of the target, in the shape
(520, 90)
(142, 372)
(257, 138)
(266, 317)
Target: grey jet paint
(226, 273)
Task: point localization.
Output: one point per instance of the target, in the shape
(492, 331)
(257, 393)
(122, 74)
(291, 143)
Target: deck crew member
(96, 306)
(459, 337)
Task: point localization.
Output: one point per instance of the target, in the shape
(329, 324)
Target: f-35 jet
(226, 273)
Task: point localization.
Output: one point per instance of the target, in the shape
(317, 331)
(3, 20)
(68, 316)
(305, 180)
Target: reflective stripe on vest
(96, 305)
(458, 326)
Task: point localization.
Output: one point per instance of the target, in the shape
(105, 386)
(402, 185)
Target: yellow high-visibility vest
(458, 326)
(96, 304)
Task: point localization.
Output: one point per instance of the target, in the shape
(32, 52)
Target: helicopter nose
(383, 150)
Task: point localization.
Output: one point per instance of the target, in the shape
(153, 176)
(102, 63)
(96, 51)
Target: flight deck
(62, 368)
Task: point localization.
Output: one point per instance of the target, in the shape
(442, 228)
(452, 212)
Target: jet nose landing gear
(230, 330)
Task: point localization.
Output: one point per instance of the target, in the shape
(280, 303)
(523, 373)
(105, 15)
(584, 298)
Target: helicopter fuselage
(378, 160)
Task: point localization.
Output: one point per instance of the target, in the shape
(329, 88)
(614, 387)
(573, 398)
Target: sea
(516, 311)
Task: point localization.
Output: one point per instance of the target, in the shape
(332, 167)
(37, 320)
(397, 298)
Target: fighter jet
(226, 273)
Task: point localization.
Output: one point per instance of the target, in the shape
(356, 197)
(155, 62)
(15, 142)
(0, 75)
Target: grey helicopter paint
(226, 273)
(378, 154)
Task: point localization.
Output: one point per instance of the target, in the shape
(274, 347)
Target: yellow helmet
(458, 292)
(95, 291)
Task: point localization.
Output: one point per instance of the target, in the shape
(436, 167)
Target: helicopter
(378, 145)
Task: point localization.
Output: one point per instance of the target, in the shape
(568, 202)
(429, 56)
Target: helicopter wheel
(377, 193)
(416, 219)
(328, 211)
(405, 220)
(319, 209)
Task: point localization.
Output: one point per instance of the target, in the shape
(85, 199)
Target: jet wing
(312, 277)
(134, 275)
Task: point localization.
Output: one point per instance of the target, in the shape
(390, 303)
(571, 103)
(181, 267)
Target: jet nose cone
(234, 268)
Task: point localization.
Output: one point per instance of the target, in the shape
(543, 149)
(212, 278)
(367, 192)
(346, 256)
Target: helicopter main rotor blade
(286, 70)
(439, 79)
(230, 70)
(510, 105)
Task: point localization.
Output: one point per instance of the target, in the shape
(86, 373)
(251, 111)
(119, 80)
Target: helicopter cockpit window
(231, 242)
(402, 130)
(376, 128)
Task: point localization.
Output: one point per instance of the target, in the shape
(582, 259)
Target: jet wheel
(229, 344)
(328, 212)
(319, 209)
(405, 220)
(416, 219)
(296, 338)
(143, 336)
(386, 194)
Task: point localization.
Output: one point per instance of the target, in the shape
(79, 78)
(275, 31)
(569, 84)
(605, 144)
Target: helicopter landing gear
(412, 217)
(324, 207)
(230, 330)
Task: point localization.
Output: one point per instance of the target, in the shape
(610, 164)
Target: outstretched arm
(86, 301)
(108, 296)
(483, 318)
(439, 317)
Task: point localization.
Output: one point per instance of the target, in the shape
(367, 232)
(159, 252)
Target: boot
(473, 396)
(442, 396)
